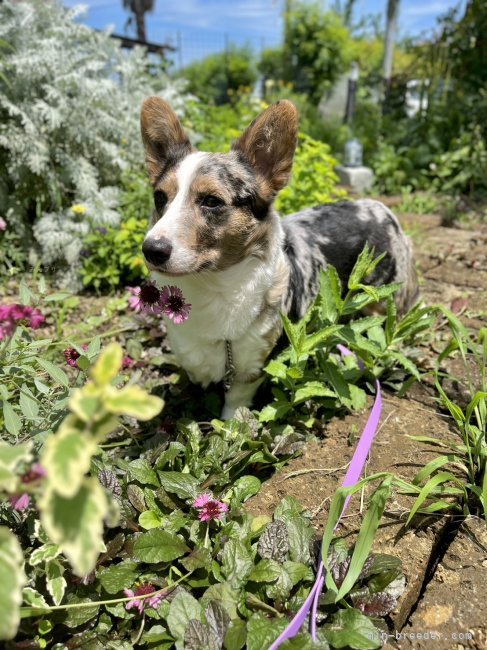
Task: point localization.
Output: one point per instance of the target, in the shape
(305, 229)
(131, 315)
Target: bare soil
(446, 588)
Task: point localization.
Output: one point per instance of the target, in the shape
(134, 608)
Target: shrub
(317, 49)
(217, 78)
(112, 256)
(68, 124)
(313, 181)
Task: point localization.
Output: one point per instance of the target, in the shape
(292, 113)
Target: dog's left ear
(268, 144)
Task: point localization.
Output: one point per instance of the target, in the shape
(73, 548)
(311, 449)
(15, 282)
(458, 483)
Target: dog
(215, 234)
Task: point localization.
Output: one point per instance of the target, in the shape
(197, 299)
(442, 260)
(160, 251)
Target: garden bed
(452, 272)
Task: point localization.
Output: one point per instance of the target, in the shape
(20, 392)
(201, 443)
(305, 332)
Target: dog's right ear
(165, 142)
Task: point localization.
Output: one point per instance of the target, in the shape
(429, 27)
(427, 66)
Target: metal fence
(189, 48)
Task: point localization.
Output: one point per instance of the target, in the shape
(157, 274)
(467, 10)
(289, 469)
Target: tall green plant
(309, 371)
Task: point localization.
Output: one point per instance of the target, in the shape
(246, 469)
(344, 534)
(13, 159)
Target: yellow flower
(78, 209)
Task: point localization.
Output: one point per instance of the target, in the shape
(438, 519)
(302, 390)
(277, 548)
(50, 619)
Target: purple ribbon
(352, 477)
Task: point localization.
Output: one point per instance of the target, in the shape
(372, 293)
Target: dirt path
(445, 567)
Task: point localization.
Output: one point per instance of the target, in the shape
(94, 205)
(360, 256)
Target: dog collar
(230, 370)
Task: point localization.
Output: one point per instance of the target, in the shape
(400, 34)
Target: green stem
(26, 612)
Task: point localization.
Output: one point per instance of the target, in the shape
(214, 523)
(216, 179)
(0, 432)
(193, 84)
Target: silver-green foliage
(69, 103)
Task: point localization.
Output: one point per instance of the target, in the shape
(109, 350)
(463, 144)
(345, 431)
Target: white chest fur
(226, 305)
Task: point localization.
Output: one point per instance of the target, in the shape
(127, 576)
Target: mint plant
(311, 369)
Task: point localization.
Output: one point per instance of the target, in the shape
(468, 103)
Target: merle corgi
(215, 234)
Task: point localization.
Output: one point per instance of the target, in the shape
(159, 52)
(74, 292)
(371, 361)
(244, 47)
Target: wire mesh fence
(190, 47)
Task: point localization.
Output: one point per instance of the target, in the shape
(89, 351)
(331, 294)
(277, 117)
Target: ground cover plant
(165, 552)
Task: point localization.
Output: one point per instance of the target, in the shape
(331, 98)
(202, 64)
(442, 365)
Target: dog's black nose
(157, 251)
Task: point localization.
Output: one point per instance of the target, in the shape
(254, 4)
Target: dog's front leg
(239, 394)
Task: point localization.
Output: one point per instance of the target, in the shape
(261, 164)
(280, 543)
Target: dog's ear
(164, 140)
(268, 144)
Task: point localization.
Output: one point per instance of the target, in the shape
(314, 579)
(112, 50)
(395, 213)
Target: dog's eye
(212, 202)
(160, 200)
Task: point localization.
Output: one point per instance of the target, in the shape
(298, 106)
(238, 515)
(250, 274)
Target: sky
(199, 27)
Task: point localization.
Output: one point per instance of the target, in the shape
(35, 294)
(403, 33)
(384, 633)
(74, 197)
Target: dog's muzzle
(157, 251)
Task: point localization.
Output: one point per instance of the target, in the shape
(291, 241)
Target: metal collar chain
(230, 370)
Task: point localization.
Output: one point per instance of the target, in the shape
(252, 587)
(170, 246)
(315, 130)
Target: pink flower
(209, 508)
(35, 473)
(6, 329)
(71, 355)
(20, 501)
(143, 590)
(173, 305)
(146, 299)
(3, 224)
(36, 318)
(10, 315)
(127, 362)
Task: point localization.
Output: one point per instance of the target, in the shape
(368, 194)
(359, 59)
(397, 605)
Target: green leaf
(349, 628)
(237, 562)
(198, 636)
(225, 595)
(236, 635)
(218, 620)
(406, 363)
(313, 340)
(12, 579)
(265, 571)
(141, 471)
(133, 401)
(33, 598)
(86, 403)
(150, 519)
(244, 488)
(366, 536)
(295, 333)
(275, 411)
(54, 372)
(12, 420)
(183, 609)
(330, 292)
(310, 390)
(158, 546)
(107, 365)
(297, 571)
(391, 320)
(299, 530)
(184, 485)
(55, 582)
(276, 369)
(198, 559)
(115, 578)
(281, 588)
(77, 616)
(438, 479)
(28, 403)
(262, 632)
(10, 457)
(360, 269)
(433, 465)
(67, 457)
(44, 553)
(76, 523)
